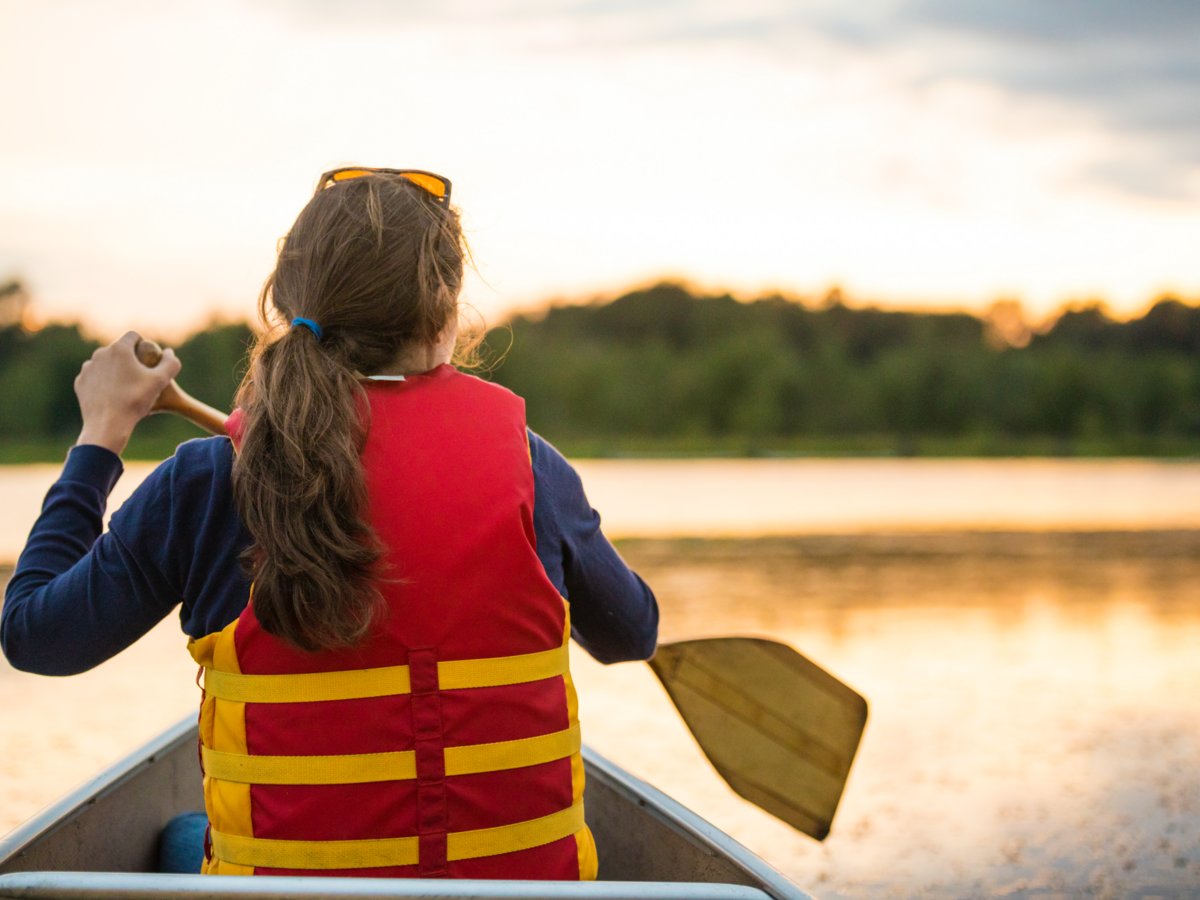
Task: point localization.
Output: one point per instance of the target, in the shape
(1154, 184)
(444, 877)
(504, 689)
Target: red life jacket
(447, 743)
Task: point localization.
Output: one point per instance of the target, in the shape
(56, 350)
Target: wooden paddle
(175, 399)
(778, 728)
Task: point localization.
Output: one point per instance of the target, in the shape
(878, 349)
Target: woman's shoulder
(218, 449)
(190, 480)
(556, 483)
(201, 460)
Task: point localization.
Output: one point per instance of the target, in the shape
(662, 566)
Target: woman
(395, 700)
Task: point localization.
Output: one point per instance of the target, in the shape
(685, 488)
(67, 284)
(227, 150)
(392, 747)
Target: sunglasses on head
(434, 184)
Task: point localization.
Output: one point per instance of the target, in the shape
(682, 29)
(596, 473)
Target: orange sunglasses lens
(435, 186)
(432, 183)
(347, 174)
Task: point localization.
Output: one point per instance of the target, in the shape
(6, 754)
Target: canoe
(100, 842)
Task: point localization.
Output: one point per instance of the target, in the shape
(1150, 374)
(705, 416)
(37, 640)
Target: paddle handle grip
(175, 399)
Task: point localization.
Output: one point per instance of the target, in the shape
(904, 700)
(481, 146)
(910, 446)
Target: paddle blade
(779, 729)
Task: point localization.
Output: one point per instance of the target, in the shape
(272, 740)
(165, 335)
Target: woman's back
(455, 716)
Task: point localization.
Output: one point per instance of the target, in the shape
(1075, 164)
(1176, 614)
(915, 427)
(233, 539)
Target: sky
(928, 153)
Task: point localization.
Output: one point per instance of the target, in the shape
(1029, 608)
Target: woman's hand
(116, 392)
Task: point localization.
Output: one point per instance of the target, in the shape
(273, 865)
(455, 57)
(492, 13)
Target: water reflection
(1035, 706)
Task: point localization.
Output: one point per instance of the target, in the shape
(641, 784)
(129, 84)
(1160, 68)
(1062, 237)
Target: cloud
(1130, 68)
(1134, 66)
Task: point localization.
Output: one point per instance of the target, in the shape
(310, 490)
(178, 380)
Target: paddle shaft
(175, 399)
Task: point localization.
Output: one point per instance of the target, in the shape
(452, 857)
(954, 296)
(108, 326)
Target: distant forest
(39, 415)
(665, 371)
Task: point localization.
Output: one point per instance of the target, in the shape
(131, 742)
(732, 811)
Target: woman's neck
(414, 360)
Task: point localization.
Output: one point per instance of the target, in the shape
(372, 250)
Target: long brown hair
(378, 263)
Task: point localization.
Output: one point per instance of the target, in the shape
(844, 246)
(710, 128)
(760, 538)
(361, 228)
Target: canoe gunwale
(140, 886)
(704, 863)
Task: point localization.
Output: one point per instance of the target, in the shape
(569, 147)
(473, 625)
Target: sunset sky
(915, 152)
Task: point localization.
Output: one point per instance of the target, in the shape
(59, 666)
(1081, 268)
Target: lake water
(1035, 694)
(1035, 708)
(745, 498)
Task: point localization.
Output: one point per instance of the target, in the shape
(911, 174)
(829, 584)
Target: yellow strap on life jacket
(271, 854)
(459, 674)
(364, 767)
(399, 766)
(311, 687)
(516, 754)
(511, 838)
(266, 853)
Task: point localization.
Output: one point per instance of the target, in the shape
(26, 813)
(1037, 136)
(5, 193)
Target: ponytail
(378, 264)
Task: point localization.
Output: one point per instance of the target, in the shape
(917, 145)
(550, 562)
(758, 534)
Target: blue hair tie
(310, 325)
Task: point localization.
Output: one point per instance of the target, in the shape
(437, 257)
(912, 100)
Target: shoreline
(929, 544)
(932, 544)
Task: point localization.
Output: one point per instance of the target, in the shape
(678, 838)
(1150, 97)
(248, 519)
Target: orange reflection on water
(1035, 713)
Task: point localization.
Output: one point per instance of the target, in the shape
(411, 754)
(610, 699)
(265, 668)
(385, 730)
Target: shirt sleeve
(614, 615)
(79, 597)
(76, 597)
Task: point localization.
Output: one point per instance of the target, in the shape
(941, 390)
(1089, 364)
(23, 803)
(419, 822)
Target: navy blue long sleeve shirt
(79, 597)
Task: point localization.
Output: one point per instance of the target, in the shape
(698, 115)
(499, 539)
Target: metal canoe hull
(100, 842)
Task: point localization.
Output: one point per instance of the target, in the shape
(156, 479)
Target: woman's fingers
(169, 364)
(116, 391)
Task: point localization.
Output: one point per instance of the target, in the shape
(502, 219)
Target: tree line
(39, 415)
(665, 367)
(666, 370)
